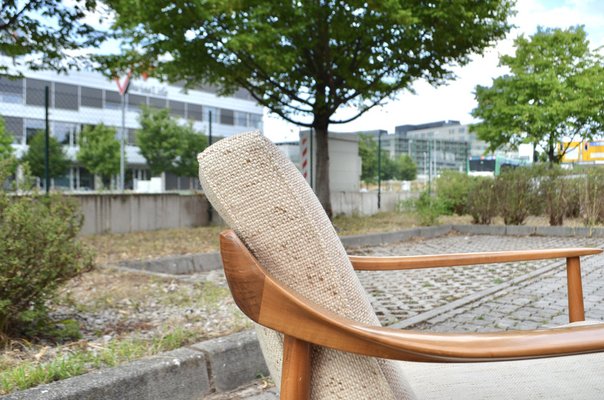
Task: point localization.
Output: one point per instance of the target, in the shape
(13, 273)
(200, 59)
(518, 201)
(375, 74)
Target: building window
(256, 121)
(210, 111)
(156, 102)
(177, 108)
(227, 117)
(132, 136)
(11, 91)
(35, 92)
(240, 118)
(65, 132)
(14, 126)
(194, 112)
(91, 97)
(113, 100)
(32, 127)
(135, 101)
(66, 96)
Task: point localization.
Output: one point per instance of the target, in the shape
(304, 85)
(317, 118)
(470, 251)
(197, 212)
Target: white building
(85, 98)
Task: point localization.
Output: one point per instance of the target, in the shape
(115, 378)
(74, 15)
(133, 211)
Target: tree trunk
(322, 166)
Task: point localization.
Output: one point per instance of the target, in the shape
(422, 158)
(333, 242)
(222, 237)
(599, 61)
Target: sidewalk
(472, 299)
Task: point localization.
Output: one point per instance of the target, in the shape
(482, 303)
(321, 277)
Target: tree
(168, 146)
(404, 168)
(58, 162)
(6, 140)
(305, 60)
(43, 34)
(99, 151)
(554, 92)
(401, 167)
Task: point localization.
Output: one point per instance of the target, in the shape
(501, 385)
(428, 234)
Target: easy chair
(288, 272)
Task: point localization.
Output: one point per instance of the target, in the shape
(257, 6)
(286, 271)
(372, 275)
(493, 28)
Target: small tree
(6, 140)
(168, 146)
(58, 162)
(405, 168)
(100, 151)
(554, 92)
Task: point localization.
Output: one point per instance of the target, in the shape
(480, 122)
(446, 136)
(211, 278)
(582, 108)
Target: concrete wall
(133, 212)
(119, 213)
(365, 203)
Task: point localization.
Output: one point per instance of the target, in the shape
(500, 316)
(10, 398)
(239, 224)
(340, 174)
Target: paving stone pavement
(537, 302)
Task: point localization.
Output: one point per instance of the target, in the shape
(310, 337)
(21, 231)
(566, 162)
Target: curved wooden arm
(370, 263)
(269, 303)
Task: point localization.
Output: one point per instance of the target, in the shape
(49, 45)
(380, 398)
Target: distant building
(85, 98)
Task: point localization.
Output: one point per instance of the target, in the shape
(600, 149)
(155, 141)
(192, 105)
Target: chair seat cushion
(570, 377)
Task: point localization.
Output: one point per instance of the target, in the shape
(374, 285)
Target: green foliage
(99, 150)
(592, 197)
(554, 91)
(6, 150)
(305, 60)
(39, 251)
(515, 191)
(400, 168)
(168, 146)
(482, 204)
(51, 28)
(428, 209)
(453, 189)
(554, 192)
(57, 159)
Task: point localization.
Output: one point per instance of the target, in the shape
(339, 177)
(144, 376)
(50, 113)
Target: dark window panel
(227, 117)
(14, 126)
(157, 102)
(35, 91)
(135, 101)
(91, 97)
(66, 96)
(240, 118)
(33, 127)
(132, 136)
(177, 108)
(194, 112)
(113, 100)
(11, 91)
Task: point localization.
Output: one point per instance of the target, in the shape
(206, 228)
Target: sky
(455, 101)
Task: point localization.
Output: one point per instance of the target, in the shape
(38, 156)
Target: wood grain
(296, 371)
(576, 310)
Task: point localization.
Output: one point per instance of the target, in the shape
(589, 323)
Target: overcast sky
(455, 101)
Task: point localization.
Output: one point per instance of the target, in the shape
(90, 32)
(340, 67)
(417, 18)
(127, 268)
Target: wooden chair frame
(304, 323)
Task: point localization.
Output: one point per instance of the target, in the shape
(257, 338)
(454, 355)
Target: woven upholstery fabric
(261, 195)
(561, 378)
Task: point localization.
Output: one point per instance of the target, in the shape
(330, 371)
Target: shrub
(515, 194)
(482, 202)
(452, 189)
(428, 209)
(554, 192)
(39, 251)
(592, 197)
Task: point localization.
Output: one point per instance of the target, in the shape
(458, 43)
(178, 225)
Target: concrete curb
(205, 262)
(220, 364)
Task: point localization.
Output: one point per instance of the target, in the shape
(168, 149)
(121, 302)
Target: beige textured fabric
(561, 378)
(263, 197)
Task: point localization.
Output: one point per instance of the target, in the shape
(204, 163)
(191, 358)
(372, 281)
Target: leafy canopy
(58, 162)
(43, 34)
(553, 92)
(167, 145)
(399, 168)
(99, 150)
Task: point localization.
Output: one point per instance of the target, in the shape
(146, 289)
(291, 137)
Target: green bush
(554, 192)
(592, 197)
(39, 251)
(453, 189)
(428, 209)
(482, 203)
(515, 191)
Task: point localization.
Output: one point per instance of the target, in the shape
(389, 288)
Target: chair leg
(295, 374)
(576, 310)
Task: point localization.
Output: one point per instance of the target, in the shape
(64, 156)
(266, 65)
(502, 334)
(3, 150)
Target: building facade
(85, 98)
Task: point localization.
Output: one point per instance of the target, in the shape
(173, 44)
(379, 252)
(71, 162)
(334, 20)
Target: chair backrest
(261, 195)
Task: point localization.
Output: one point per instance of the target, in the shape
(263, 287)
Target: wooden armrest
(371, 263)
(271, 304)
